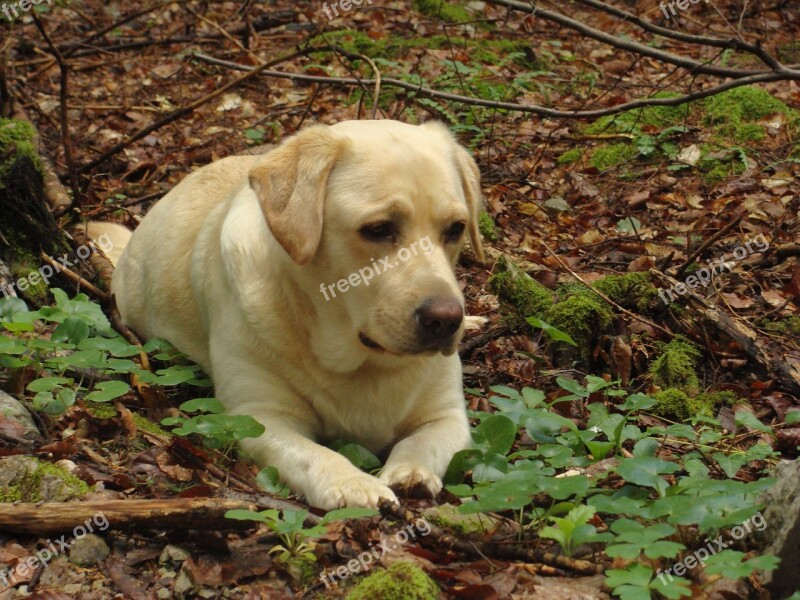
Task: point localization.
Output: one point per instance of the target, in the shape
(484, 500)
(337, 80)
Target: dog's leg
(326, 478)
(420, 459)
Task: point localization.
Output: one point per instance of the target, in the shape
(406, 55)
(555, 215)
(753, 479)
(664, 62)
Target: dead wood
(166, 514)
(771, 357)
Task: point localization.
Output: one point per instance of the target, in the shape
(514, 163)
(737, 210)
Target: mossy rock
(447, 516)
(734, 117)
(675, 404)
(28, 479)
(677, 366)
(401, 581)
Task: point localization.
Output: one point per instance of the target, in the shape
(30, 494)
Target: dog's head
(373, 215)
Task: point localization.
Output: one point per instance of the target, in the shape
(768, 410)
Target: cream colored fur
(228, 267)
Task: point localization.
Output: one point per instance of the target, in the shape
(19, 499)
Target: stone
(88, 550)
(781, 536)
(173, 554)
(28, 479)
(15, 420)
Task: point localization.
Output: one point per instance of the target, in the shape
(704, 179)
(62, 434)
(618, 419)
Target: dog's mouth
(369, 343)
(373, 345)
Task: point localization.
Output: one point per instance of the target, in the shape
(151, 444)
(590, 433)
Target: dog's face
(375, 213)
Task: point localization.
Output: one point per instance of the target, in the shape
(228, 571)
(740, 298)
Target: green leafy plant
(297, 540)
(219, 431)
(574, 529)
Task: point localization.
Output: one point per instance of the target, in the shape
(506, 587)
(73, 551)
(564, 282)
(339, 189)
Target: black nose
(439, 319)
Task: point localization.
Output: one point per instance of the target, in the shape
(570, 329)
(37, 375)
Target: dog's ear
(471, 182)
(291, 183)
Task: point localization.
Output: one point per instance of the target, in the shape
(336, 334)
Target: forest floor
(655, 428)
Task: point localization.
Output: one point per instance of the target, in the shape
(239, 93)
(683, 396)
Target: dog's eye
(453, 233)
(384, 231)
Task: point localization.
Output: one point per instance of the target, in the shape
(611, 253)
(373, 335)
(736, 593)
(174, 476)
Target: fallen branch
(168, 514)
(76, 279)
(419, 90)
(784, 368)
(482, 549)
(694, 66)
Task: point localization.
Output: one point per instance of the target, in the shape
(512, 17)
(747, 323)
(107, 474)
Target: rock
(447, 515)
(173, 554)
(16, 422)
(781, 534)
(28, 479)
(88, 550)
(183, 584)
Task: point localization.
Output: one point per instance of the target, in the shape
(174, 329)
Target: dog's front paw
(360, 490)
(412, 480)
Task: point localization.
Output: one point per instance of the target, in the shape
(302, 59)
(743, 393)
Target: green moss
(447, 516)
(401, 581)
(487, 227)
(612, 155)
(633, 121)
(583, 315)
(677, 366)
(101, 410)
(720, 398)
(21, 136)
(34, 480)
(301, 568)
(676, 405)
(107, 411)
(733, 113)
(570, 156)
(520, 295)
(443, 10)
(787, 326)
(632, 290)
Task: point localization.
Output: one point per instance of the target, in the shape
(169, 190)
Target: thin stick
(524, 108)
(707, 244)
(63, 112)
(75, 278)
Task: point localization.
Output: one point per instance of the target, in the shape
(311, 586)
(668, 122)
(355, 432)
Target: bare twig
(75, 278)
(641, 49)
(702, 40)
(63, 112)
(699, 252)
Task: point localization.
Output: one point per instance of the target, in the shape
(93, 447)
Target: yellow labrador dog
(315, 284)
